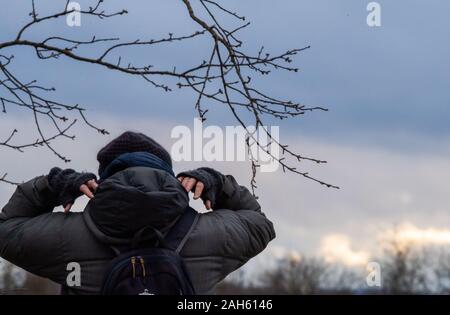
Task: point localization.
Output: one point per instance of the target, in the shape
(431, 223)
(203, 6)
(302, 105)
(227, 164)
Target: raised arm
(236, 227)
(31, 235)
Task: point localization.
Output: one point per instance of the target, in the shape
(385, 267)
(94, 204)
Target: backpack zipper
(143, 266)
(133, 265)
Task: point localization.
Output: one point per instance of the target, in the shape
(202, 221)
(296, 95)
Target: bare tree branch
(226, 65)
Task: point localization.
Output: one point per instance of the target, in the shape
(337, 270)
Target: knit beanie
(130, 142)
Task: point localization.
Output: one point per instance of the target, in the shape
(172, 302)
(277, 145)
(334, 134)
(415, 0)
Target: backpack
(157, 270)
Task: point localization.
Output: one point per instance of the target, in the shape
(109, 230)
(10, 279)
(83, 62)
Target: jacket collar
(132, 199)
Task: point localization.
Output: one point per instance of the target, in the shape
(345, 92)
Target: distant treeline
(404, 269)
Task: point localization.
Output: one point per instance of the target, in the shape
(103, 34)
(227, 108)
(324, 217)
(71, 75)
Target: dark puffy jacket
(44, 242)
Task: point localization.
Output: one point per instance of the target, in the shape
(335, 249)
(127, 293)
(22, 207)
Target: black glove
(66, 184)
(212, 179)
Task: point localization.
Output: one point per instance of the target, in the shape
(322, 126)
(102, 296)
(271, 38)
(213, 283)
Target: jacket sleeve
(247, 228)
(30, 199)
(30, 233)
(236, 230)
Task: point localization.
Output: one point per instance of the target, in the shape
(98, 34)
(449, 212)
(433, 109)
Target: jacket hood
(132, 199)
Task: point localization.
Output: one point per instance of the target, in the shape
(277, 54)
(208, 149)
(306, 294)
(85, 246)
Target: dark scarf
(134, 159)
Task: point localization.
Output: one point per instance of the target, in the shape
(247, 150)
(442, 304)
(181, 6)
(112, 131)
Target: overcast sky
(386, 136)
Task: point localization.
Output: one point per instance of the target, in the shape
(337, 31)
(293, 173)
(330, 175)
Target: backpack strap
(179, 233)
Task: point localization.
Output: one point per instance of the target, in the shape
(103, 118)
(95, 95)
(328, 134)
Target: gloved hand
(206, 183)
(68, 185)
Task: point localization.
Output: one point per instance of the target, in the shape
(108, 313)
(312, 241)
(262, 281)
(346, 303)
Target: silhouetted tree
(223, 75)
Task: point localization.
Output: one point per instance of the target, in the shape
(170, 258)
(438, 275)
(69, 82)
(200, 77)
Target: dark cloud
(394, 78)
